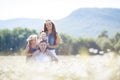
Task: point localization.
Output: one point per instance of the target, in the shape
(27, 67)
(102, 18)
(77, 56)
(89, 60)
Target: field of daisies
(79, 67)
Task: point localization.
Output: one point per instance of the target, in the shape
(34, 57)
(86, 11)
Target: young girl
(31, 46)
(43, 55)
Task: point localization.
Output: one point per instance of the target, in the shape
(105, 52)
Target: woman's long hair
(53, 29)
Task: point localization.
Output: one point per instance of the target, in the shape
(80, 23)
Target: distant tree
(104, 43)
(5, 40)
(103, 34)
(117, 47)
(14, 40)
(78, 45)
(66, 47)
(116, 42)
(91, 43)
(116, 38)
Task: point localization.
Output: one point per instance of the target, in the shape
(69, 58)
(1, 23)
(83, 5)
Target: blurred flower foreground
(105, 67)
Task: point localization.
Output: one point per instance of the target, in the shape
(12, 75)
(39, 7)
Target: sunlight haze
(49, 9)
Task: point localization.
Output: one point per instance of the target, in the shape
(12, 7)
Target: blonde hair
(42, 33)
(31, 37)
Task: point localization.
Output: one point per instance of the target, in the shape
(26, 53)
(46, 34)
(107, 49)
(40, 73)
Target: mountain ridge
(81, 22)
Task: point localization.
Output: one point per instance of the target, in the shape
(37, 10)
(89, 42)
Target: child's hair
(41, 33)
(30, 38)
(43, 41)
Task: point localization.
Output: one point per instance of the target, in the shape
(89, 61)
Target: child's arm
(27, 51)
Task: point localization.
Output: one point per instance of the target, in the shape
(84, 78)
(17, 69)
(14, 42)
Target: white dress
(42, 57)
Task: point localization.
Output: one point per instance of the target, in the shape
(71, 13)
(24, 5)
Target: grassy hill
(36, 24)
(81, 22)
(91, 22)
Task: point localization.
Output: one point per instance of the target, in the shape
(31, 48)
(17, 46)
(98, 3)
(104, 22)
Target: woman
(31, 46)
(42, 54)
(53, 37)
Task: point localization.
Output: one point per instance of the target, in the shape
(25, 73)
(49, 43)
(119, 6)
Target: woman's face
(43, 45)
(49, 25)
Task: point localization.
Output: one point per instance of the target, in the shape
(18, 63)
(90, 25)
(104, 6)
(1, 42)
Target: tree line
(14, 41)
(102, 44)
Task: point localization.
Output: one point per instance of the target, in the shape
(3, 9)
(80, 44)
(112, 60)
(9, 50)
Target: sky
(49, 9)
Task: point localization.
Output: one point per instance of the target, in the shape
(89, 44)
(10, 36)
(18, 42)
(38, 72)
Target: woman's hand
(49, 46)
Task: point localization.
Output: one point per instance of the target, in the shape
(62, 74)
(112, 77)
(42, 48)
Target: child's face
(34, 41)
(43, 35)
(43, 45)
